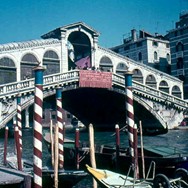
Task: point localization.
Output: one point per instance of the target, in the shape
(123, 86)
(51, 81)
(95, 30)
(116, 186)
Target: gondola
(108, 179)
(66, 178)
(167, 159)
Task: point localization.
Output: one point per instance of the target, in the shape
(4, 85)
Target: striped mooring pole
(19, 122)
(37, 138)
(60, 125)
(130, 119)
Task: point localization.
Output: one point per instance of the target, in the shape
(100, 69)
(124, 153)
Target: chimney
(133, 35)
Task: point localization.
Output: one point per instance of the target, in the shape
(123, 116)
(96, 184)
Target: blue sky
(23, 20)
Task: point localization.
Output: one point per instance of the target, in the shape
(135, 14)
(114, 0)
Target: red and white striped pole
(18, 149)
(130, 117)
(37, 139)
(60, 125)
(19, 121)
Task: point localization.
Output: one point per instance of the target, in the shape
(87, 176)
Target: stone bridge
(66, 50)
(166, 108)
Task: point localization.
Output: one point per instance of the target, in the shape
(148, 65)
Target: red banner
(90, 78)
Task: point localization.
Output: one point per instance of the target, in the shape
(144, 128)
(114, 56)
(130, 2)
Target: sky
(23, 20)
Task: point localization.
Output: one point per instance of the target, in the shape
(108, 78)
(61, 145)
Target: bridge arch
(151, 81)
(7, 70)
(28, 62)
(121, 68)
(163, 86)
(138, 76)
(81, 48)
(176, 91)
(51, 62)
(106, 64)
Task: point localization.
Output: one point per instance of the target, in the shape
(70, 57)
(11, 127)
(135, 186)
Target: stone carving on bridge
(6, 105)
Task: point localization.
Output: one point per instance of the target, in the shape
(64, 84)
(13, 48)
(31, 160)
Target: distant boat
(109, 179)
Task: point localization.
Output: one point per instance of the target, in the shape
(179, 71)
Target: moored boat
(66, 178)
(167, 159)
(108, 179)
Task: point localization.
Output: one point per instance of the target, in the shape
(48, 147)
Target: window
(180, 63)
(155, 56)
(168, 57)
(139, 56)
(139, 44)
(126, 48)
(179, 47)
(155, 43)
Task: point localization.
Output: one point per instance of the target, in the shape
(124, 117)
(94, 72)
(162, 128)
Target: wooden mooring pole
(56, 157)
(92, 151)
(142, 150)
(77, 138)
(5, 145)
(117, 146)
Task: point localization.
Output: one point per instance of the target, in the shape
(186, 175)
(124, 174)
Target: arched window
(155, 56)
(137, 76)
(7, 70)
(179, 47)
(51, 62)
(106, 64)
(28, 62)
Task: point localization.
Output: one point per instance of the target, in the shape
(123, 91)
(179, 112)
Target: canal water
(174, 138)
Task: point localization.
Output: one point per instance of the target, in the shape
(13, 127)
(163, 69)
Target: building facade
(152, 50)
(178, 38)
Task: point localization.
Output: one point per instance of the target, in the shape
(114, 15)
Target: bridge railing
(148, 91)
(12, 89)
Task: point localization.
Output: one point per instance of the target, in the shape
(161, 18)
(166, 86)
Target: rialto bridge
(65, 51)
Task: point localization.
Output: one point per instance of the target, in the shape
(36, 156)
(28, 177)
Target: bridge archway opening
(121, 68)
(151, 81)
(80, 49)
(163, 86)
(51, 62)
(28, 62)
(106, 64)
(176, 91)
(137, 76)
(102, 107)
(7, 70)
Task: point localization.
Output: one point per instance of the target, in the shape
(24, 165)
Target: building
(178, 38)
(152, 50)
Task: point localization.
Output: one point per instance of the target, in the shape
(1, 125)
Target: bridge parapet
(149, 92)
(69, 80)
